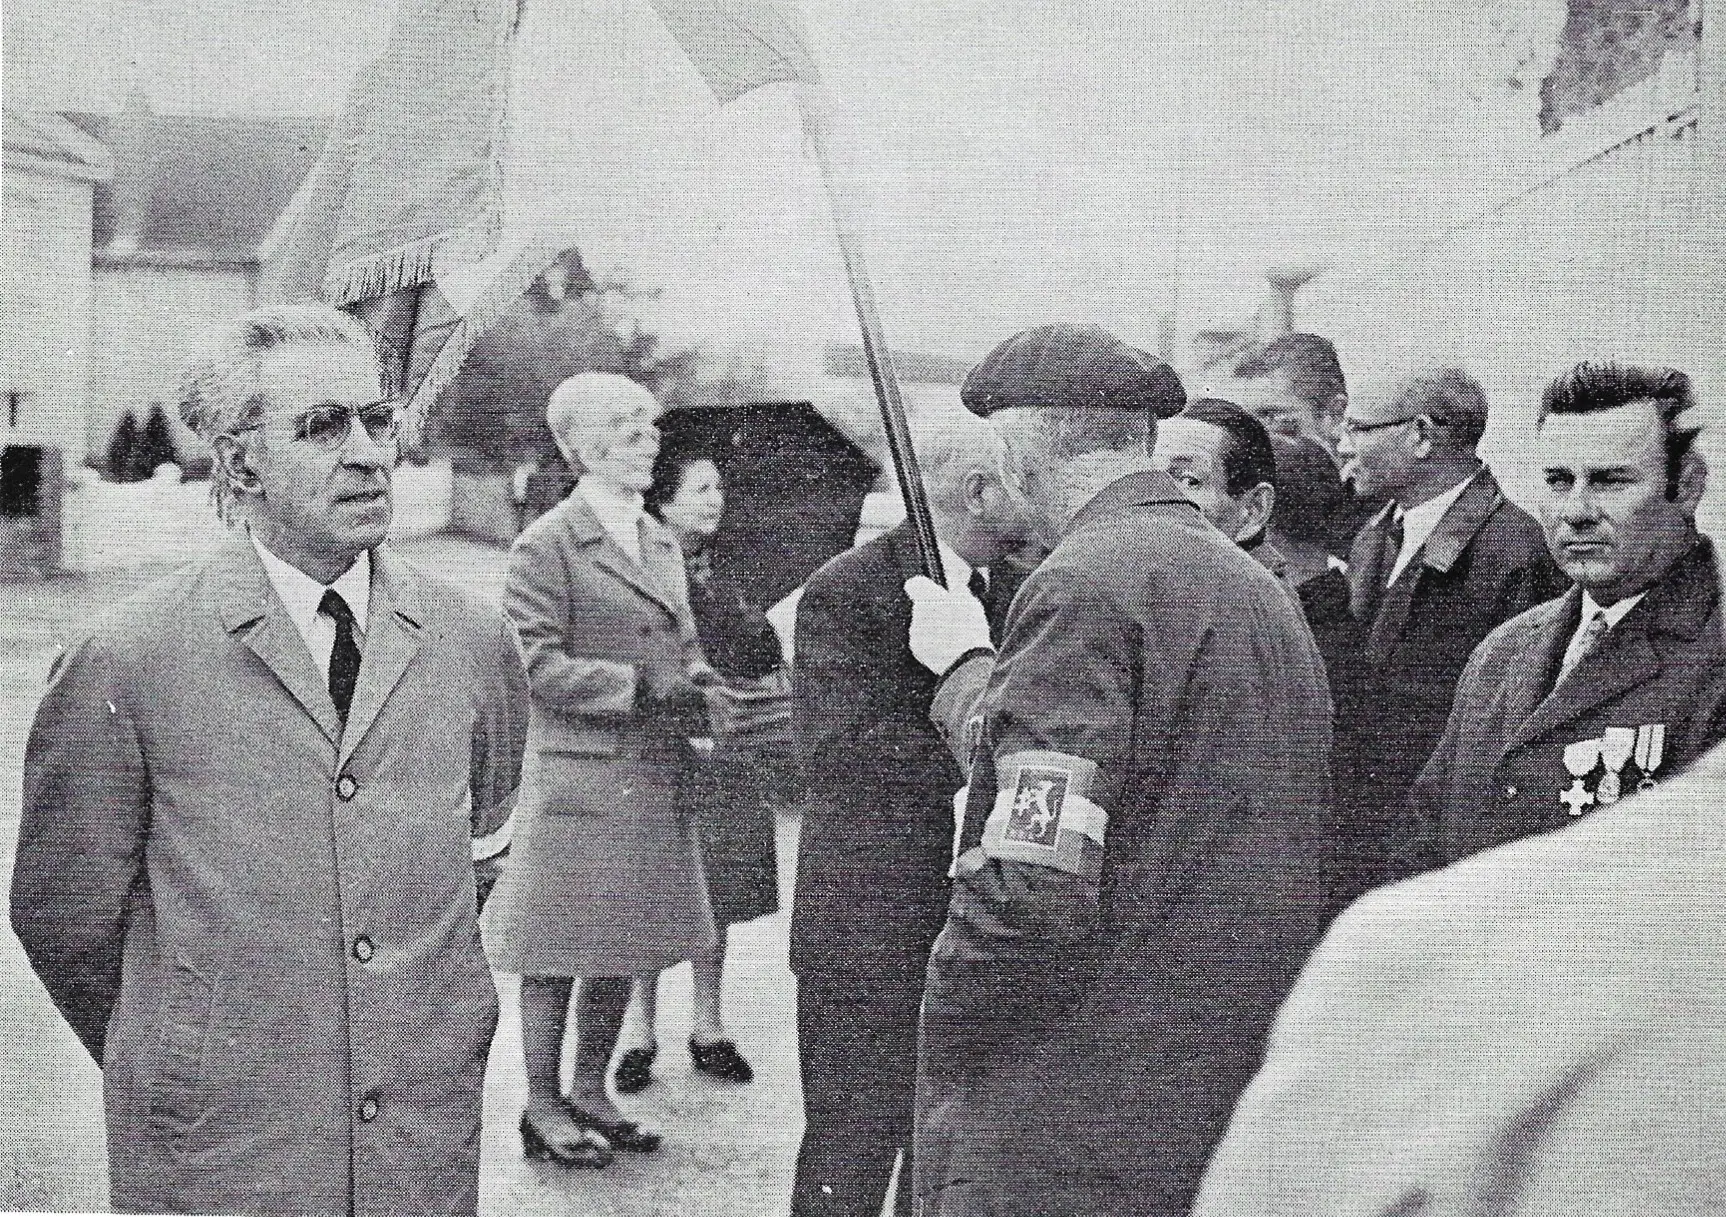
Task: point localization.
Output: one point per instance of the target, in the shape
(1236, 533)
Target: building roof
(194, 189)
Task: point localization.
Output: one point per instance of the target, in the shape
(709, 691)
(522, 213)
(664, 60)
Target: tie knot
(978, 584)
(335, 608)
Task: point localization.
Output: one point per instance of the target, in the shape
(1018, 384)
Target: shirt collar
(619, 515)
(1614, 613)
(301, 594)
(957, 570)
(1424, 518)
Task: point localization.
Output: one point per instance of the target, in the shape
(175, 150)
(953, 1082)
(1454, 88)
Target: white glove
(945, 623)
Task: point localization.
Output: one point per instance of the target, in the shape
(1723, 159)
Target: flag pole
(875, 349)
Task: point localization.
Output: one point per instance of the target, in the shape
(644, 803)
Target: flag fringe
(382, 274)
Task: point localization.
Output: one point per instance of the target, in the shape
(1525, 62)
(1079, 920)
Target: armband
(1043, 814)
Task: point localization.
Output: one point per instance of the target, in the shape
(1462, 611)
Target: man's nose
(1578, 507)
(359, 448)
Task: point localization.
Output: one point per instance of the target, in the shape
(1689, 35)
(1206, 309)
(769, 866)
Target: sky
(1010, 161)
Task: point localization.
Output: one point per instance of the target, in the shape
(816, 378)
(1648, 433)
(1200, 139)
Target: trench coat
(1485, 562)
(1533, 1032)
(1089, 1019)
(605, 873)
(260, 923)
(1499, 772)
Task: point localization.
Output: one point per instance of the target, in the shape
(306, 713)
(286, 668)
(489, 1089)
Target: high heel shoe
(634, 1072)
(620, 1134)
(586, 1156)
(720, 1059)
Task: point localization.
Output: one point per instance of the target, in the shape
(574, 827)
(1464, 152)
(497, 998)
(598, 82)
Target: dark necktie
(978, 585)
(345, 655)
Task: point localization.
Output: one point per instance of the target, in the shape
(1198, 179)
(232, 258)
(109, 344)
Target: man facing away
(1447, 560)
(877, 830)
(1619, 684)
(1139, 875)
(1534, 1030)
(252, 799)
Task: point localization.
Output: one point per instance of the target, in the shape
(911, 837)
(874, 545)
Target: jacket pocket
(177, 1097)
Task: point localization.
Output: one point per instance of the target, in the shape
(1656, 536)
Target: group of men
(1175, 765)
(1077, 817)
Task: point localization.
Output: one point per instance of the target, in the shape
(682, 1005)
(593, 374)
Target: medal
(1616, 745)
(1580, 759)
(1650, 751)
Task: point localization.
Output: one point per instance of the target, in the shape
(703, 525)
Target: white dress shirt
(619, 515)
(300, 595)
(1418, 524)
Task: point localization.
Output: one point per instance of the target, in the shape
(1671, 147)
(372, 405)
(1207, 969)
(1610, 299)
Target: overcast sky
(1017, 160)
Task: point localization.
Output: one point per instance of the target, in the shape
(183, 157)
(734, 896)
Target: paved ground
(729, 1149)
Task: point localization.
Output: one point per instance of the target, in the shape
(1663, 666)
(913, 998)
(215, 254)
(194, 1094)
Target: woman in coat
(740, 779)
(605, 880)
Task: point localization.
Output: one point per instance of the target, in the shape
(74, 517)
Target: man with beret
(1138, 874)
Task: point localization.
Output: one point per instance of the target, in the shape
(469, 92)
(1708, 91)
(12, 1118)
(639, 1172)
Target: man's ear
(1258, 505)
(974, 488)
(1692, 481)
(234, 461)
(1425, 436)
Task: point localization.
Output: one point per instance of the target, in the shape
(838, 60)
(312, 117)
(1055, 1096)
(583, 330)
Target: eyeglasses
(328, 427)
(1349, 426)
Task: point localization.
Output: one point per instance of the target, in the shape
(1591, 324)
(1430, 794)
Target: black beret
(1072, 365)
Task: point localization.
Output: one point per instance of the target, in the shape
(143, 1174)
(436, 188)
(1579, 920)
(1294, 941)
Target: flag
(740, 45)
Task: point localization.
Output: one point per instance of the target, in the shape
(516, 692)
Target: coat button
(368, 1109)
(1510, 792)
(346, 786)
(363, 949)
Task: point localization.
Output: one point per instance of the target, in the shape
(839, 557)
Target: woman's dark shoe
(634, 1070)
(720, 1059)
(590, 1154)
(621, 1134)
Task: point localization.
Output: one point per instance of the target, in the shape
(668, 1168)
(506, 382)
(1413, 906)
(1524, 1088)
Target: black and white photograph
(809, 608)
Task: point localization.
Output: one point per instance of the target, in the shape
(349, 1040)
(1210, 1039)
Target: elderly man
(878, 826)
(1140, 867)
(1622, 682)
(1535, 1030)
(1447, 560)
(251, 798)
(1221, 457)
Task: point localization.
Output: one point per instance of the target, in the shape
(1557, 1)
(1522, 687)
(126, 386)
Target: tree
(155, 443)
(493, 414)
(123, 447)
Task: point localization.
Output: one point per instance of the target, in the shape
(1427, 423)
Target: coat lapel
(609, 557)
(251, 610)
(1455, 532)
(393, 625)
(1367, 565)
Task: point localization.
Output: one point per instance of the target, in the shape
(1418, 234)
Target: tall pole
(875, 350)
(1711, 179)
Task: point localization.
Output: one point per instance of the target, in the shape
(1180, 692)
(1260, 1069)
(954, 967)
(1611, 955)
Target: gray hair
(221, 392)
(587, 405)
(1453, 400)
(951, 442)
(1063, 433)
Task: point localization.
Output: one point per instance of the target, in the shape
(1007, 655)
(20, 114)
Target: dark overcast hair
(1451, 398)
(1311, 363)
(1247, 457)
(1309, 490)
(1590, 388)
(669, 470)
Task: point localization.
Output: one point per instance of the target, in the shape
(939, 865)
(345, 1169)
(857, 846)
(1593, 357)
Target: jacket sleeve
(536, 595)
(81, 840)
(1428, 845)
(1062, 706)
(500, 735)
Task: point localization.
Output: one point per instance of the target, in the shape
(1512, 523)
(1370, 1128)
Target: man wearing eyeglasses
(1446, 561)
(253, 798)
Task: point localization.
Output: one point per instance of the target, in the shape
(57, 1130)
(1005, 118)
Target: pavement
(729, 1150)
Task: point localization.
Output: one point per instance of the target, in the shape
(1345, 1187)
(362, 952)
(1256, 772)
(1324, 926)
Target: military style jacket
(1525, 753)
(1140, 870)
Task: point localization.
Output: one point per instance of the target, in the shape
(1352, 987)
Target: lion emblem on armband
(1038, 799)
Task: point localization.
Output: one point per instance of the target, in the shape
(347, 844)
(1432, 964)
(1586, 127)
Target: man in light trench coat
(253, 797)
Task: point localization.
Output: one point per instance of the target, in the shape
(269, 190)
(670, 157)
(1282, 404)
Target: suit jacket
(877, 834)
(263, 924)
(1533, 1032)
(1484, 563)
(1499, 772)
(605, 878)
(1084, 1039)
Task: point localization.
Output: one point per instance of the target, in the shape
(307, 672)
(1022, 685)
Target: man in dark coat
(1140, 869)
(1446, 561)
(877, 834)
(1557, 715)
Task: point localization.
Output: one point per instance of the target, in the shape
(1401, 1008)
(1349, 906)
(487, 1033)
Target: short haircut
(1314, 371)
(1248, 458)
(1590, 388)
(220, 392)
(1066, 432)
(1309, 490)
(950, 441)
(670, 467)
(588, 404)
(1451, 398)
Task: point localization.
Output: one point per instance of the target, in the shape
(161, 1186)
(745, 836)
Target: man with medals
(1140, 869)
(1619, 683)
(1536, 1029)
